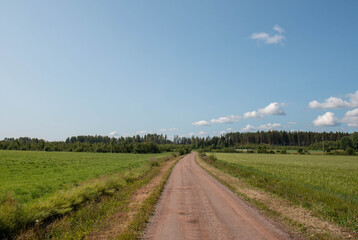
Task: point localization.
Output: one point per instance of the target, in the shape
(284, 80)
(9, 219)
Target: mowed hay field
(327, 185)
(37, 185)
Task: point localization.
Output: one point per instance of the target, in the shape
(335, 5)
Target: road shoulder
(131, 223)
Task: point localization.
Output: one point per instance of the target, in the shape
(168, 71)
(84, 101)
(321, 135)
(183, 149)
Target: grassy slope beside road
(60, 177)
(324, 185)
(122, 215)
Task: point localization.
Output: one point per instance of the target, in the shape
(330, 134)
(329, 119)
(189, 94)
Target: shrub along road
(194, 205)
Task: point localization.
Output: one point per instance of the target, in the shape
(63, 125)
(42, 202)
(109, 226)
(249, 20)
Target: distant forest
(155, 143)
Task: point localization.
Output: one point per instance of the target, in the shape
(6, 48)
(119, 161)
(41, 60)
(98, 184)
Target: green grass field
(37, 185)
(328, 185)
(27, 175)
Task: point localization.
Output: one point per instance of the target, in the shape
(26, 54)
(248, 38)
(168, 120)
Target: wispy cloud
(326, 120)
(141, 132)
(113, 134)
(267, 38)
(226, 119)
(278, 29)
(274, 108)
(168, 130)
(336, 102)
(201, 133)
(201, 123)
(291, 123)
(268, 126)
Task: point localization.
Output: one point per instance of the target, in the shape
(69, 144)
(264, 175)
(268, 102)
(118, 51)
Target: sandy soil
(194, 205)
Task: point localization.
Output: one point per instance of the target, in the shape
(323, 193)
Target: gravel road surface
(194, 205)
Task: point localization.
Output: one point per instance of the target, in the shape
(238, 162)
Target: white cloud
(335, 102)
(112, 134)
(261, 36)
(353, 98)
(201, 133)
(278, 28)
(229, 129)
(326, 120)
(227, 119)
(270, 39)
(351, 118)
(253, 114)
(277, 38)
(269, 126)
(168, 130)
(291, 123)
(201, 123)
(248, 128)
(331, 102)
(274, 108)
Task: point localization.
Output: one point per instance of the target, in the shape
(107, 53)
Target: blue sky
(177, 67)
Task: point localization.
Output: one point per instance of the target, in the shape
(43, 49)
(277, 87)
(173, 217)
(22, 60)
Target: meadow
(35, 186)
(327, 185)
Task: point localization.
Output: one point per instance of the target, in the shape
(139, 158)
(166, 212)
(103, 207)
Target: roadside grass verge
(14, 216)
(293, 203)
(83, 200)
(136, 228)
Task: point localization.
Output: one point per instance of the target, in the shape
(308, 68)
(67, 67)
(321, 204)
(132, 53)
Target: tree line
(155, 143)
(276, 138)
(150, 143)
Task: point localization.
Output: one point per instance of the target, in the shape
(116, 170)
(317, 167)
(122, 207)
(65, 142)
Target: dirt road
(194, 205)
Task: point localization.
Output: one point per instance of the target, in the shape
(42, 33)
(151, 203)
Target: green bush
(350, 151)
(181, 151)
(212, 158)
(261, 149)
